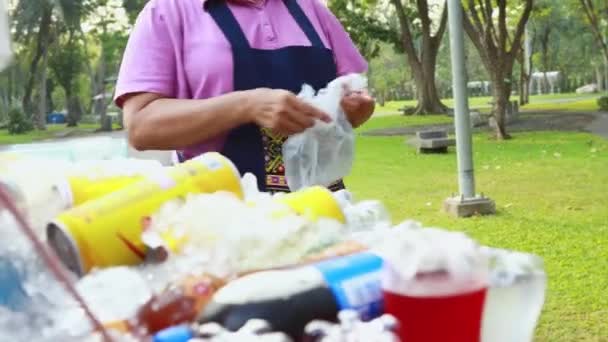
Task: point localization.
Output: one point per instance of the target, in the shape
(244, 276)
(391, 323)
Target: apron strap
(223, 17)
(300, 17)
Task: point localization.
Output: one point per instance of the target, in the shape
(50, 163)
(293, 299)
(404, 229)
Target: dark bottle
(179, 304)
(290, 299)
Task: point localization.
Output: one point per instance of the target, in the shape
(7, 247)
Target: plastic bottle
(179, 304)
(289, 299)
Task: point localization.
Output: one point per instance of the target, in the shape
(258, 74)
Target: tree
(42, 21)
(107, 26)
(548, 22)
(575, 54)
(422, 58)
(498, 47)
(596, 13)
(525, 68)
(34, 19)
(391, 76)
(66, 64)
(133, 7)
(366, 26)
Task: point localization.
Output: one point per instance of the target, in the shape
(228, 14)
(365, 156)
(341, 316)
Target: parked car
(587, 89)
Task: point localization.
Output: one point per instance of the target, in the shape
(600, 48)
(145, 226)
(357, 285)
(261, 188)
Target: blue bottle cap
(174, 334)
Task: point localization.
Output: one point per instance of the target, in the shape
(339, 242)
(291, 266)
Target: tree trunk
(11, 82)
(50, 88)
(524, 86)
(502, 93)
(422, 59)
(605, 73)
(40, 118)
(74, 109)
(106, 122)
(546, 84)
(427, 95)
(41, 43)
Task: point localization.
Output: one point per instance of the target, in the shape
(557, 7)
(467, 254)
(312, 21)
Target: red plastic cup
(455, 318)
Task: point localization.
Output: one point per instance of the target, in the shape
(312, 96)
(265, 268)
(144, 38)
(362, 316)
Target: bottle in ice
(179, 304)
(291, 298)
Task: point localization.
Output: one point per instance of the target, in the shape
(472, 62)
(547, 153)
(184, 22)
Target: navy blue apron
(257, 150)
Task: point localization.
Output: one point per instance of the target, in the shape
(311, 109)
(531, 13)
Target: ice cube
(115, 293)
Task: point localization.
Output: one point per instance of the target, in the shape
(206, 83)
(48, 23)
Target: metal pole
(466, 178)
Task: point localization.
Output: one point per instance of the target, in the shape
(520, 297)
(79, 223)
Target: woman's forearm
(156, 123)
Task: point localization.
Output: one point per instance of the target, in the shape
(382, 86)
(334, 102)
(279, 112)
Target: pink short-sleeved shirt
(177, 50)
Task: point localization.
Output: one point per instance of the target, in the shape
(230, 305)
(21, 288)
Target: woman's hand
(358, 107)
(281, 111)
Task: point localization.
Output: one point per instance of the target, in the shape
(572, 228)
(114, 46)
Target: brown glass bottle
(178, 304)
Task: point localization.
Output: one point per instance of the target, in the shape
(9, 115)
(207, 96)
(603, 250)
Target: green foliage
(602, 102)
(67, 62)
(18, 122)
(389, 75)
(133, 7)
(364, 24)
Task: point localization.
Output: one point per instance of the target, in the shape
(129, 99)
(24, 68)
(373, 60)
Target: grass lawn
(584, 105)
(51, 132)
(551, 191)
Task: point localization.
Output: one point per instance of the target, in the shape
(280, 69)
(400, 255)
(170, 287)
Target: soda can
(314, 203)
(93, 182)
(106, 231)
(75, 191)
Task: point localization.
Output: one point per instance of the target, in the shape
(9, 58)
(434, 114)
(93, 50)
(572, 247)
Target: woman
(217, 75)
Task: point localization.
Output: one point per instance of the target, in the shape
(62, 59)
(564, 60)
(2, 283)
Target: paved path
(596, 123)
(600, 125)
(162, 156)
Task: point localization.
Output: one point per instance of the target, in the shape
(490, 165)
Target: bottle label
(355, 282)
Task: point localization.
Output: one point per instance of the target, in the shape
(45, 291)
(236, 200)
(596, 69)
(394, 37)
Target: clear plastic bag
(323, 153)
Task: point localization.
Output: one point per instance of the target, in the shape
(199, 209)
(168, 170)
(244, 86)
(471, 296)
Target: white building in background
(479, 88)
(548, 81)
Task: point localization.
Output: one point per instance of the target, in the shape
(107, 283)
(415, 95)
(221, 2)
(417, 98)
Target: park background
(537, 74)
